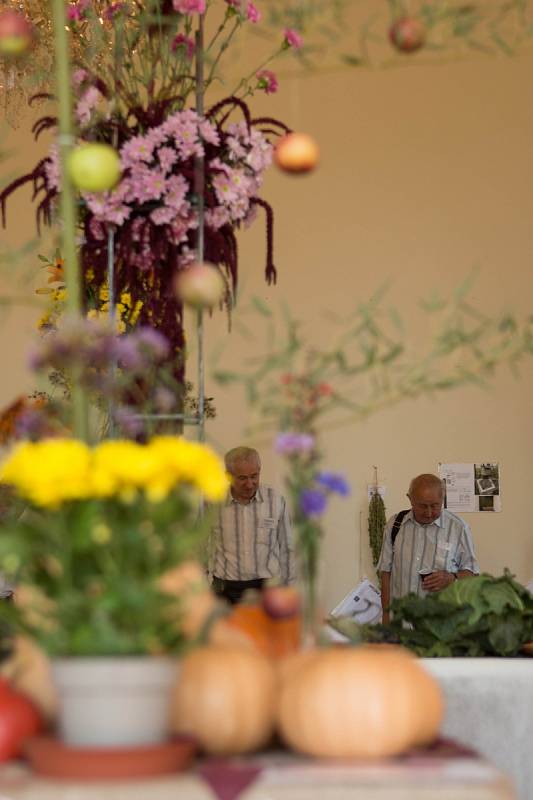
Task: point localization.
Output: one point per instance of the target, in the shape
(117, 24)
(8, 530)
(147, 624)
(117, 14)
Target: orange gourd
(345, 702)
(225, 698)
(274, 638)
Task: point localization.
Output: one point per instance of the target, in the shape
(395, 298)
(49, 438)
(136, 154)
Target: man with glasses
(425, 548)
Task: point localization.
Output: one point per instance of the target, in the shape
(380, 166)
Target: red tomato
(19, 719)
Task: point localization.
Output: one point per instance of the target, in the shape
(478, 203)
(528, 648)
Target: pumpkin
(427, 707)
(274, 638)
(225, 698)
(361, 702)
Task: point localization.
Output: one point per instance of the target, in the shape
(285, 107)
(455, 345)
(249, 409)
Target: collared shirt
(446, 544)
(253, 540)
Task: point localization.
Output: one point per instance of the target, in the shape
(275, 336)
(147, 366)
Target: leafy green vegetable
(479, 616)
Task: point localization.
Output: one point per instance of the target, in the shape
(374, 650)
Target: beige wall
(426, 172)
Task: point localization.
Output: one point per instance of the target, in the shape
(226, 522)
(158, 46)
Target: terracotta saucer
(50, 757)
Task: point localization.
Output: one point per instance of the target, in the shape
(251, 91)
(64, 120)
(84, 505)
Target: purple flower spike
(313, 502)
(289, 443)
(334, 482)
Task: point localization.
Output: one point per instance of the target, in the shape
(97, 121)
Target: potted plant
(103, 527)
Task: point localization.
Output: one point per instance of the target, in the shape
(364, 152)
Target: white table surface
(489, 707)
(287, 777)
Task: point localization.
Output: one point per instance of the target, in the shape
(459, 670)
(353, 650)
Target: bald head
(427, 479)
(426, 495)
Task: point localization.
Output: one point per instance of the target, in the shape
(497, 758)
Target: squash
(275, 638)
(225, 698)
(361, 702)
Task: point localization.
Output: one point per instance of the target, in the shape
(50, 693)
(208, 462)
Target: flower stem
(80, 420)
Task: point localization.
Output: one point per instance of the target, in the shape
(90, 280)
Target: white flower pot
(114, 702)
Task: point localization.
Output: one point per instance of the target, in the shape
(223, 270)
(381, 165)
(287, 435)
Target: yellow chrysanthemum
(54, 471)
(120, 466)
(49, 472)
(193, 463)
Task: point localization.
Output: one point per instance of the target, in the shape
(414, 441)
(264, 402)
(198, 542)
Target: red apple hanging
(280, 602)
(94, 167)
(407, 34)
(296, 153)
(200, 285)
(16, 34)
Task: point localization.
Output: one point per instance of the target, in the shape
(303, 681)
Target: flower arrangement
(102, 528)
(140, 69)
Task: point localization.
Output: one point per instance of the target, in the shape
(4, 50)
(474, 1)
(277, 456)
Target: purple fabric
(228, 778)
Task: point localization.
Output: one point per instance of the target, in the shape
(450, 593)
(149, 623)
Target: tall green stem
(67, 201)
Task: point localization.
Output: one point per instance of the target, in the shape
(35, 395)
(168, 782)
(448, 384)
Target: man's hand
(438, 580)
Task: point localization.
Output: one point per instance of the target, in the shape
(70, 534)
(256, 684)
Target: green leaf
(506, 634)
(224, 376)
(261, 306)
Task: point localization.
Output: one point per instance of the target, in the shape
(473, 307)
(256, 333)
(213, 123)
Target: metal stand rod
(199, 188)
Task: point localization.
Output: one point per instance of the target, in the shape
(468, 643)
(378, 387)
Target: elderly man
(251, 540)
(426, 547)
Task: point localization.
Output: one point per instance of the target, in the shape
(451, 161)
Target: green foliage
(376, 525)
(89, 581)
(479, 616)
(369, 362)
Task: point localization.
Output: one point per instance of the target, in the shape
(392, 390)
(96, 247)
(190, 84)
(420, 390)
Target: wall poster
(471, 487)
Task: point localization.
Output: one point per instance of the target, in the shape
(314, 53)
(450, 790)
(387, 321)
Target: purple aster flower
(289, 443)
(153, 342)
(313, 502)
(128, 355)
(32, 424)
(128, 422)
(334, 482)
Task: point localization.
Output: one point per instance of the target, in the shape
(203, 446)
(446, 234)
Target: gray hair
(425, 481)
(240, 454)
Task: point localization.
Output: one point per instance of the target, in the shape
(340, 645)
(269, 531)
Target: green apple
(94, 167)
(16, 34)
(200, 285)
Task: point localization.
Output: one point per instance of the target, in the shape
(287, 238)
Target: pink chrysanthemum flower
(252, 13)
(292, 38)
(266, 79)
(185, 42)
(76, 11)
(189, 6)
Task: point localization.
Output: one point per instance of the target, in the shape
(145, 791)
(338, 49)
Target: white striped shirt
(253, 540)
(446, 544)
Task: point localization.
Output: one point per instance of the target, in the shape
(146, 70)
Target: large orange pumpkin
(345, 702)
(225, 698)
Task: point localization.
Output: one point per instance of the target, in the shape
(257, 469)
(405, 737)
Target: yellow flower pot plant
(90, 555)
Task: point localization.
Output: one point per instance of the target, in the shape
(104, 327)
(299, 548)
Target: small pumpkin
(274, 638)
(225, 698)
(344, 702)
